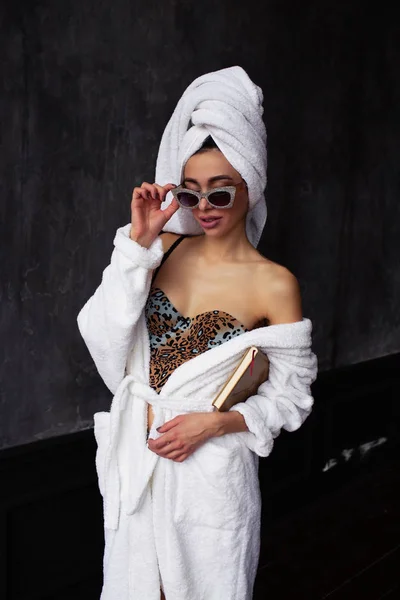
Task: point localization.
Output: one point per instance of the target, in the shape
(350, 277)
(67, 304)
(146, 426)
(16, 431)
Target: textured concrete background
(88, 88)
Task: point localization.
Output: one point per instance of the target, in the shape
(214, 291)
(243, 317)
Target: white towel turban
(227, 106)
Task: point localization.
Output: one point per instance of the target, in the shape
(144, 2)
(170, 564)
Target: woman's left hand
(183, 435)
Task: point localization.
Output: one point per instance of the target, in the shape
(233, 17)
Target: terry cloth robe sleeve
(284, 401)
(107, 320)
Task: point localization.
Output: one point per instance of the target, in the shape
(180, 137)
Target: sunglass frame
(231, 189)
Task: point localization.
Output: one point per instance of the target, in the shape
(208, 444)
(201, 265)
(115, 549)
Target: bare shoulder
(168, 239)
(278, 293)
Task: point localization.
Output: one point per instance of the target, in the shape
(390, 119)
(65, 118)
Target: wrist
(143, 241)
(137, 255)
(227, 422)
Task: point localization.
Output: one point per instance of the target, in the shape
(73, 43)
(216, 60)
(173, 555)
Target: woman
(181, 496)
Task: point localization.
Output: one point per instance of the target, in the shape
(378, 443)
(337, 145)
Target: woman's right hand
(147, 217)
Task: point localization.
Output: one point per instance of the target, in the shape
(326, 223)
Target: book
(245, 380)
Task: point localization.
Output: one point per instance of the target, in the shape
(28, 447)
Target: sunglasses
(221, 197)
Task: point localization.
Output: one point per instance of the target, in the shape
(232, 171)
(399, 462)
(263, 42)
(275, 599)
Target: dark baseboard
(51, 537)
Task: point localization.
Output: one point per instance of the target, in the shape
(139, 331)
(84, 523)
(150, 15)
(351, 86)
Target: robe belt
(144, 460)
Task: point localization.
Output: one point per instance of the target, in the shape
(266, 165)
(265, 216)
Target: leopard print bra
(174, 339)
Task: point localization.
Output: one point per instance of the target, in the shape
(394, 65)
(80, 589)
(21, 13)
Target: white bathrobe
(192, 528)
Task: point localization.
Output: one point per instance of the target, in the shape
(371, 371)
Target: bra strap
(168, 252)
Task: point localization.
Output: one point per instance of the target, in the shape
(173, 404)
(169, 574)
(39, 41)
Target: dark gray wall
(87, 90)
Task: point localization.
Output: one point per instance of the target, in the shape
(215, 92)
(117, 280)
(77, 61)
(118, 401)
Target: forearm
(108, 319)
(227, 422)
(283, 401)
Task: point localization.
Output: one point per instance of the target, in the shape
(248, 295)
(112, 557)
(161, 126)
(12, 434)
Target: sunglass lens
(187, 199)
(220, 199)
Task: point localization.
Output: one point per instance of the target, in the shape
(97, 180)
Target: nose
(203, 204)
